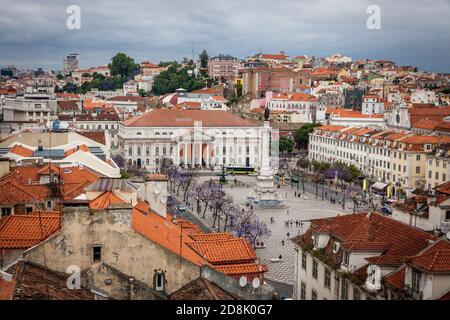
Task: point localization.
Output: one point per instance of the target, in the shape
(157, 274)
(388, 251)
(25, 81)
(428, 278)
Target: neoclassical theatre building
(200, 138)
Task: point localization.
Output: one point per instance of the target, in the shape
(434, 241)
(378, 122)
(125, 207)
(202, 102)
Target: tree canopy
(204, 57)
(303, 132)
(122, 65)
(286, 145)
(176, 77)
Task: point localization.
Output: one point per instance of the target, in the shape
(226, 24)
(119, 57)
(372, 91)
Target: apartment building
(333, 262)
(301, 103)
(437, 168)
(394, 157)
(30, 107)
(223, 67)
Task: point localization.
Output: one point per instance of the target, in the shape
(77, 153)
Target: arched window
(139, 151)
(156, 133)
(164, 151)
(139, 133)
(130, 151)
(147, 151)
(157, 151)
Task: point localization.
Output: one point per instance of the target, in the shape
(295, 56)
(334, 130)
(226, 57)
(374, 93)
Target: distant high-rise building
(223, 67)
(71, 63)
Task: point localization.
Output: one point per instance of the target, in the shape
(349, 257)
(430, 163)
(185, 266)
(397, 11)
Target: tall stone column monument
(265, 193)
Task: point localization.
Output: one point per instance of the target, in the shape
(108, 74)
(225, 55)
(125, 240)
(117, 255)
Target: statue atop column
(266, 113)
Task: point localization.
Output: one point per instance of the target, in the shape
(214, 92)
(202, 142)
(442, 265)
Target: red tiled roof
(13, 192)
(98, 136)
(186, 118)
(396, 279)
(426, 124)
(435, 259)
(127, 98)
(211, 236)
(25, 231)
(237, 269)
(104, 200)
(443, 188)
(385, 260)
(22, 151)
(418, 113)
(400, 239)
(295, 96)
(161, 231)
(346, 113)
(332, 128)
(273, 56)
(236, 250)
(82, 147)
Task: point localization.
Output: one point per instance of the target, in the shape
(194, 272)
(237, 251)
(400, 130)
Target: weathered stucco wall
(122, 248)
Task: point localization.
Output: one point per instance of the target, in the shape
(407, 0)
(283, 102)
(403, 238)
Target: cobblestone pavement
(305, 208)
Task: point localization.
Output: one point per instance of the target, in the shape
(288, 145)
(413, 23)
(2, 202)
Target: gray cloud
(34, 33)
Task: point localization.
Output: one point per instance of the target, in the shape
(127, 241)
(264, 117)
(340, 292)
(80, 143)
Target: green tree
(286, 145)
(176, 77)
(203, 56)
(302, 137)
(238, 89)
(70, 87)
(123, 66)
(142, 93)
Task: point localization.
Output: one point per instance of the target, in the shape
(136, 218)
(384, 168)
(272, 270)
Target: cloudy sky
(413, 32)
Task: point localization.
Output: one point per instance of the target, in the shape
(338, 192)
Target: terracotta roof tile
(104, 200)
(166, 234)
(235, 251)
(25, 231)
(238, 269)
(186, 118)
(22, 151)
(211, 236)
(435, 259)
(396, 279)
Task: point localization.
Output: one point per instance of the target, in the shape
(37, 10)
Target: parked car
(182, 208)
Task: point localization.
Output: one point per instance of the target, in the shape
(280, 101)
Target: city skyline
(411, 33)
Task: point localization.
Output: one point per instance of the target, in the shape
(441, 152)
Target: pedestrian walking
(288, 234)
(295, 193)
(282, 243)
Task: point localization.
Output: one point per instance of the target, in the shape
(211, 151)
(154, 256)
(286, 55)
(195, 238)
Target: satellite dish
(256, 283)
(243, 281)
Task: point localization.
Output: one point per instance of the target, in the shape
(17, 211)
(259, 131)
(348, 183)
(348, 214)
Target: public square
(295, 209)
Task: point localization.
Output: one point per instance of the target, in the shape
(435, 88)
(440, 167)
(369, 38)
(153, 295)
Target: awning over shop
(379, 186)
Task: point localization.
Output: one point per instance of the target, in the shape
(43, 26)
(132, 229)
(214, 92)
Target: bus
(240, 170)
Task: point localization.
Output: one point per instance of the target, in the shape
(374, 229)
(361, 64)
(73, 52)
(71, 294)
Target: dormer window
(336, 247)
(346, 259)
(415, 283)
(316, 239)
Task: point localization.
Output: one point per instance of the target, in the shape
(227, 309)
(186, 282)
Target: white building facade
(194, 138)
